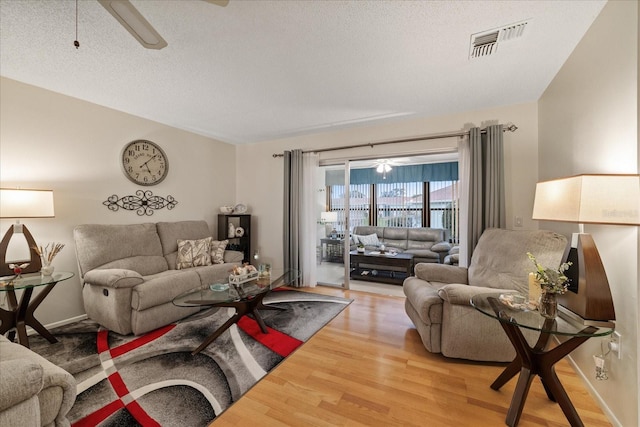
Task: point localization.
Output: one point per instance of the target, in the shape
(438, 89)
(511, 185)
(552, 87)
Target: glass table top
(222, 292)
(32, 280)
(528, 317)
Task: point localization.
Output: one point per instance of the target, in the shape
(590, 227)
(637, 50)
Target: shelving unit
(243, 243)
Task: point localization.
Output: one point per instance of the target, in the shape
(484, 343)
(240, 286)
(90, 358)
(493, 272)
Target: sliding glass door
(409, 193)
(333, 239)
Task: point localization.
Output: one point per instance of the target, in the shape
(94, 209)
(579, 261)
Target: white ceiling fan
(133, 21)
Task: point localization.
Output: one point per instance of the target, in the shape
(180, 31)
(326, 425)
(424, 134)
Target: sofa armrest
(459, 294)
(113, 278)
(441, 247)
(20, 380)
(441, 273)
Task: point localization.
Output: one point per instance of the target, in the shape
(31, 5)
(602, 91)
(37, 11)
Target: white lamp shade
(329, 216)
(589, 199)
(16, 203)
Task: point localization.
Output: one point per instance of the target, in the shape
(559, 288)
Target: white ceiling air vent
(486, 43)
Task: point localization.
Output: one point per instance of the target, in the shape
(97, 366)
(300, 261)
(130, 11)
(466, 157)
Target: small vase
(548, 305)
(47, 270)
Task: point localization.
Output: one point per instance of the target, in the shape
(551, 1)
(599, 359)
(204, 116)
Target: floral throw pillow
(193, 253)
(369, 240)
(217, 251)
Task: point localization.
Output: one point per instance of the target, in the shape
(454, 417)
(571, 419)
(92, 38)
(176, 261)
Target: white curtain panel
(308, 220)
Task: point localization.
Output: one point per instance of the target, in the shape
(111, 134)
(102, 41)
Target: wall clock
(144, 162)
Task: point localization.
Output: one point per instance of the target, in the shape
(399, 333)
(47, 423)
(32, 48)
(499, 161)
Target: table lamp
(588, 199)
(18, 203)
(328, 218)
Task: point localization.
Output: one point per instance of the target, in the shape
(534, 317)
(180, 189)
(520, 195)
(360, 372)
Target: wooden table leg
(532, 361)
(30, 319)
(242, 309)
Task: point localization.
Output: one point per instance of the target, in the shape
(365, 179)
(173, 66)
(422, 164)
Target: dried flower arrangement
(48, 254)
(551, 281)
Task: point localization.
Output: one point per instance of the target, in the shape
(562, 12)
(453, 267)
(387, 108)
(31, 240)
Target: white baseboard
(605, 408)
(31, 331)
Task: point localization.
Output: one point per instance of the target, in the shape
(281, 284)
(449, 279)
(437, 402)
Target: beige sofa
(438, 296)
(426, 244)
(129, 272)
(33, 391)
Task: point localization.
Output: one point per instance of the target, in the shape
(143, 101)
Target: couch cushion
(500, 258)
(217, 251)
(424, 298)
(424, 238)
(171, 232)
(100, 245)
(368, 240)
(193, 253)
(113, 278)
(423, 253)
(143, 265)
(364, 230)
(164, 287)
(216, 273)
(21, 378)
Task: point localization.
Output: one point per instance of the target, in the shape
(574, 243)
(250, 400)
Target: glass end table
(246, 298)
(537, 360)
(20, 315)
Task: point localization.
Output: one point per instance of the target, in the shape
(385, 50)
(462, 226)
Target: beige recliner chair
(438, 296)
(33, 391)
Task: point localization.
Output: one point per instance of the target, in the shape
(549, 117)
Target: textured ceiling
(261, 70)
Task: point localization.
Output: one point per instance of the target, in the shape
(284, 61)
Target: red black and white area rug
(153, 380)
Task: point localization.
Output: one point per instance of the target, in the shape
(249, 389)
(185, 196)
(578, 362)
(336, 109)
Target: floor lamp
(20, 204)
(588, 199)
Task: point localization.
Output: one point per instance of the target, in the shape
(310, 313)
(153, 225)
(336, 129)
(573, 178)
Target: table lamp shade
(17, 203)
(329, 216)
(26, 203)
(589, 199)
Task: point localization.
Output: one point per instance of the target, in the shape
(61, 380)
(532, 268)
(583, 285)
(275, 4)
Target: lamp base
(34, 263)
(589, 295)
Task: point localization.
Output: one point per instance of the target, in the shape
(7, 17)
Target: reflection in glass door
(333, 232)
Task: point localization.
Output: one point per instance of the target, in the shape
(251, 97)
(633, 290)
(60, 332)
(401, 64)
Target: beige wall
(260, 178)
(52, 141)
(589, 124)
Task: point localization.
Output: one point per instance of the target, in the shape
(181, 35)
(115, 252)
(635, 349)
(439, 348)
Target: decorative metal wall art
(144, 202)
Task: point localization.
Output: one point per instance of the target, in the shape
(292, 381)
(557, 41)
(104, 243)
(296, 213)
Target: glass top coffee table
(536, 360)
(245, 297)
(20, 315)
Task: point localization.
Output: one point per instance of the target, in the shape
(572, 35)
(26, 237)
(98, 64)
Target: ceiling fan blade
(134, 22)
(222, 3)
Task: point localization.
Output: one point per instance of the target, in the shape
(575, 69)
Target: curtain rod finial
(512, 128)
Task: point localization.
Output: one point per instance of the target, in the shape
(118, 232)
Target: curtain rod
(510, 128)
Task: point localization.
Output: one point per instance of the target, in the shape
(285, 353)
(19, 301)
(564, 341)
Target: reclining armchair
(438, 295)
(33, 391)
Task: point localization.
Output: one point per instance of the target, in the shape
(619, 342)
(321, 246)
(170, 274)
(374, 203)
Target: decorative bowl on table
(219, 287)
(226, 209)
(240, 208)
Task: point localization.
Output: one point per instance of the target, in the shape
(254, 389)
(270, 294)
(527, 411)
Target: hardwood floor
(368, 367)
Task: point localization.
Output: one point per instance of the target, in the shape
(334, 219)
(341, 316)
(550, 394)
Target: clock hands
(146, 165)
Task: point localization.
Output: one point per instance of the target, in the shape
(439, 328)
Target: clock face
(144, 162)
